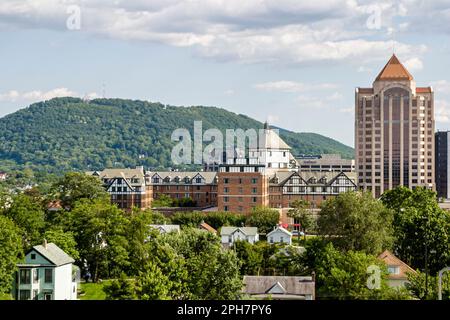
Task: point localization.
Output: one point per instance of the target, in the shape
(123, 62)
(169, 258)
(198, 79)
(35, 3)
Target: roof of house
(280, 229)
(394, 71)
(391, 260)
(126, 173)
(424, 90)
(207, 227)
(285, 285)
(166, 227)
(54, 254)
(54, 205)
(320, 177)
(208, 176)
(249, 231)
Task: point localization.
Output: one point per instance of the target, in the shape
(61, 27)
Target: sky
(293, 63)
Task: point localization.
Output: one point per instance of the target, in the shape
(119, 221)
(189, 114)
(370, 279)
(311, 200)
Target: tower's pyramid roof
(394, 71)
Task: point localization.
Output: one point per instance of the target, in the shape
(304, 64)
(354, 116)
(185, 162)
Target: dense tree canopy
(356, 221)
(10, 252)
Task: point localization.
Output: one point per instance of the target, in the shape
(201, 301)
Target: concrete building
(325, 163)
(48, 273)
(442, 165)
(394, 132)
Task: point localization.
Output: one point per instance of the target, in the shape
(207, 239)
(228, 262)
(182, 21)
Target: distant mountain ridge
(71, 134)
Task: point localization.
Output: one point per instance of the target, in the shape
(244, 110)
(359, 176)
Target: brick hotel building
(394, 132)
(268, 177)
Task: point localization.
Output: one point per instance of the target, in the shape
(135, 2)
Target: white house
(166, 228)
(47, 274)
(230, 234)
(279, 235)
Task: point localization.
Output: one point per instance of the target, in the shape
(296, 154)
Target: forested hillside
(71, 134)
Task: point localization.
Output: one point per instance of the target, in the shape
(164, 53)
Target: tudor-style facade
(314, 187)
(199, 186)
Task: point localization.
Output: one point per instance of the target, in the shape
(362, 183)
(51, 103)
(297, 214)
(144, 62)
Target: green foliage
(29, 216)
(120, 289)
(75, 186)
(10, 252)
(356, 221)
(417, 286)
(300, 212)
(100, 232)
(419, 225)
(215, 219)
(163, 201)
(64, 240)
(66, 134)
(265, 219)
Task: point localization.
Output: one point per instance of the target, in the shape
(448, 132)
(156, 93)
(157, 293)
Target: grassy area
(92, 291)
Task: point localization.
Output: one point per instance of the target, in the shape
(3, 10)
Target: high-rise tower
(394, 132)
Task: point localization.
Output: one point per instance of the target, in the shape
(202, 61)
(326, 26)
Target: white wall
(63, 283)
(277, 235)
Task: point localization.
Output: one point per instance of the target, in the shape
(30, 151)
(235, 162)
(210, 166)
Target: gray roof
(208, 176)
(330, 176)
(125, 173)
(54, 254)
(281, 229)
(166, 227)
(291, 285)
(249, 231)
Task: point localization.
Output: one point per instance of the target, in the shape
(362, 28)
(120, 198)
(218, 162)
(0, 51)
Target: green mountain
(71, 134)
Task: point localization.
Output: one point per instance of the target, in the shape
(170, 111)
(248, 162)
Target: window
(25, 276)
(271, 239)
(230, 239)
(47, 296)
(225, 208)
(225, 199)
(48, 276)
(254, 180)
(281, 239)
(25, 295)
(225, 190)
(33, 256)
(254, 199)
(36, 294)
(35, 275)
(393, 269)
(225, 180)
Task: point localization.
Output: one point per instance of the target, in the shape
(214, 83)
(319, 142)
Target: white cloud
(442, 111)
(414, 64)
(251, 31)
(38, 95)
(441, 86)
(292, 86)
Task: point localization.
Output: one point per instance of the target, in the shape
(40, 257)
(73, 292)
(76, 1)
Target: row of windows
(240, 199)
(25, 276)
(240, 180)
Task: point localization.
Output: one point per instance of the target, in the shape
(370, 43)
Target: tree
(417, 285)
(162, 201)
(64, 240)
(29, 217)
(422, 229)
(250, 256)
(100, 229)
(10, 252)
(75, 186)
(300, 212)
(345, 276)
(213, 272)
(120, 289)
(265, 219)
(356, 221)
(152, 284)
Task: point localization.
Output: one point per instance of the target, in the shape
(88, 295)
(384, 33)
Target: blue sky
(294, 63)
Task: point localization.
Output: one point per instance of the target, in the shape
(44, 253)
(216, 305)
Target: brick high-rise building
(394, 132)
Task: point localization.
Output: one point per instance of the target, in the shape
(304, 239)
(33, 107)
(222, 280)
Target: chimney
(45, 243)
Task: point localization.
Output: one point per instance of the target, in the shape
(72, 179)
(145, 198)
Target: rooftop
(394, 71)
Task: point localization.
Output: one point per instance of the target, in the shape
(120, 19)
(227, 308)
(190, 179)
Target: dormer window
(198, 180)
(167, 179)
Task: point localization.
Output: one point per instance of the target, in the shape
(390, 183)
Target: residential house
(280, 287)
(166, 228)
(48, 273)
(398, 270)
(231, 234)
(279, 235)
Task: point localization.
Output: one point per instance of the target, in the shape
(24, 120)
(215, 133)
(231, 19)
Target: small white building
(279, 235)
(166, 228)
(230, 234)
(47, 274)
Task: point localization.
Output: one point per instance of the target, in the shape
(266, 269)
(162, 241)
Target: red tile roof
(391, 260)
(423, 90)
(394, 71)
